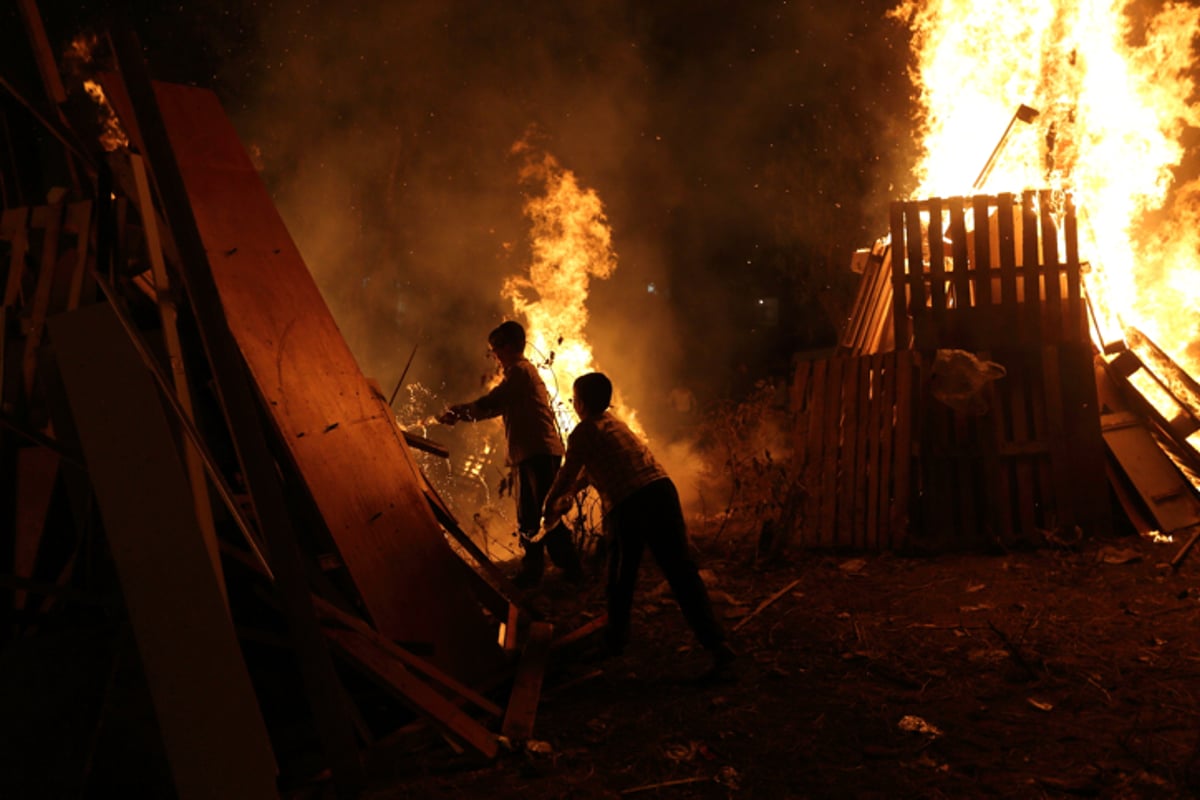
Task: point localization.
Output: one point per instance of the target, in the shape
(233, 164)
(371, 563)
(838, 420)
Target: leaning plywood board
(1169, 498)
(206, 708)
(340, 435)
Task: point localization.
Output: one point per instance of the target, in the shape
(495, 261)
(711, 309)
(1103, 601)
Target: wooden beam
(50, 218)
(334, 726)
(170, 333)
(392, 676)
(331, 612)
(527, 685)
(207, 712)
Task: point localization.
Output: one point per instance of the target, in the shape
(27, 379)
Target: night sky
(742, 151)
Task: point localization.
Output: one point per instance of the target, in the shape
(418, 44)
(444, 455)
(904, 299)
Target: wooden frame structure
(997, 276)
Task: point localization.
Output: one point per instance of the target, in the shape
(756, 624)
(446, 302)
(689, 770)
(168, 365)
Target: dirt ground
(1060, 672)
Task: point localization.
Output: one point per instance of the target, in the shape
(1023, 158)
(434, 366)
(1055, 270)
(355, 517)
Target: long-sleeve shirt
(522, 401)
(603, 452)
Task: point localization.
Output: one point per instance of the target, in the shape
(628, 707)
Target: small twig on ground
(664, 784)
(765, 603)
(555, 691)
(1013, 651)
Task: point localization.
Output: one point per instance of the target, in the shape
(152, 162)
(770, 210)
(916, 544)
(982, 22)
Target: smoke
(728, 144)
(741, 153)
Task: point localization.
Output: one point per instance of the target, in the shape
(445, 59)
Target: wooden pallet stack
(998, 277)
(179, 407)
(1008, 289)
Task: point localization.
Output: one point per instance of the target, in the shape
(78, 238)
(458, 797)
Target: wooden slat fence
(993, 275)
(985, 272)
(853, 441)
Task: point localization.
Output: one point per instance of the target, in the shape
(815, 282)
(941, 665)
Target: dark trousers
(534, 477)
(651, 517)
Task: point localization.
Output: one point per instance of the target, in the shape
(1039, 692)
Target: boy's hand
(451, 415)
(556, 508)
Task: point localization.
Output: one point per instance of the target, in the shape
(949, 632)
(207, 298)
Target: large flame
(1115, 93)
(571, 244)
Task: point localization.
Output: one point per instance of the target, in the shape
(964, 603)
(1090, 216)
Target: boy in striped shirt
(641, 510)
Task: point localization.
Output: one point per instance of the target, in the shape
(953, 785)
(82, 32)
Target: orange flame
(571, 245)
(79, 58)
(1115, 96)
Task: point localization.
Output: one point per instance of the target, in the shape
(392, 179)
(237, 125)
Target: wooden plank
(206, 708)
(814, 475)
(1168, 497)
(851, 336)
(880, 299)
(802, 412)
(338, 434)
(13, 230)
(329, 611)
(849, 465)
(932, 446)
(1089, 484)
(1056, 433)
(965, 476)
(1031, 269)
(1135, 510)
(902, 454)
(79, 221)
(864, 469)
(36, 474)
(937, 274)
(168, 315)
(1053, 329)
(997, 472)
(43, 53)
(1043, 467)
(873, 435)
(239, 401)
(393, 677)
(1075, 323)
(582, 632)
(962, 279)
(917, 308)
(887, 432)
(1006, 255)
(40, 302)
(883, 335)
(877, 301)
(527, 685)
(831, 451)
(981, 254)
(900, 292)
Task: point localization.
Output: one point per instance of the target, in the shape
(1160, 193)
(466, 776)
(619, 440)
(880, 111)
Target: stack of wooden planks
(177, 397)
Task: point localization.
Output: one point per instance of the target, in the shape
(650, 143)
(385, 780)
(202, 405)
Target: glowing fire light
(571, 245)
(79, 60)
(1115, 94)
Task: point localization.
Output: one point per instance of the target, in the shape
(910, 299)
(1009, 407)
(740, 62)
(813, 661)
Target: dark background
(742, 152)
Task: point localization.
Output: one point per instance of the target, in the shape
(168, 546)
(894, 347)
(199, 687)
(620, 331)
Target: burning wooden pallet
(1026, 456)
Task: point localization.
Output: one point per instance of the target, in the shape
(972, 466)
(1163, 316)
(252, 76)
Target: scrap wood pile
(208, 505)
(968, 405)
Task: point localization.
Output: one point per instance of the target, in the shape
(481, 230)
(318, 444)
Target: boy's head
(507, 341)
(593, 393)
